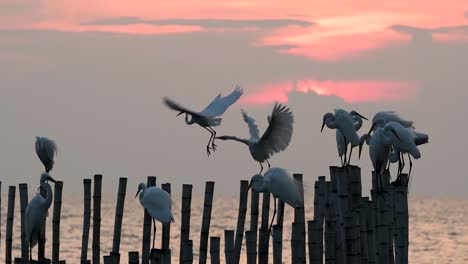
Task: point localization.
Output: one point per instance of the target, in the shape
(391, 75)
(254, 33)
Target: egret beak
(51, 179)
(361, 116)
(179, 113)
(371, 129)
(323, 125)
(250, 186)
(395, 133)
(137, 193)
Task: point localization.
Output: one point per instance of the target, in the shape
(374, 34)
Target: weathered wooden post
(188, 252)
(363, 209)
(315, 235)
(352, 234)
(23, 191)
(299, 219)
(185, 224)
(371, 219)
(383, 228)
(9, 227)
(214, 249)
(244, 185)
(254, 199)
(320, 201)
(133, 257)
(229, 246)
(58, 186)
(147, 222)
(251, 240)
(205, 228)
(263, 236)
(401, 221)
(277, 231)
(86, 221)
(330, 224)
(97, 218)
(166, 232)
(115, 253)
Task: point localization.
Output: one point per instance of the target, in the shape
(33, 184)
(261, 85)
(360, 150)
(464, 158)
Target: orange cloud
(349, 91)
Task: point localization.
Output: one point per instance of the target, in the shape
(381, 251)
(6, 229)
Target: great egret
(210, 116)
(281, 185)
(340, 140)
(46, 150)
(275, 139)
(36, 212)
(157, 203)
(346, 123)
(392, 116)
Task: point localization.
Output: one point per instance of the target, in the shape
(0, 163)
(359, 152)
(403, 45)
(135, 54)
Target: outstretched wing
(279, 132)
(253, 129)
(176, 107)
(46, 150)
(220, 104)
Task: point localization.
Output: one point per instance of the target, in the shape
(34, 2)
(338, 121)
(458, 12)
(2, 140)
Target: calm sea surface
(438, 228)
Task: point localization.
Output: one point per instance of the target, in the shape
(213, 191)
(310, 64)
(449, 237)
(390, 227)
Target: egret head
(257, 183)
(326, 117)
(141, 187)
(354, 113)
(46, 177)
(377, 123)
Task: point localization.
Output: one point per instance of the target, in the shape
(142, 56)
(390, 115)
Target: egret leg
(268, 164)
(350, 152)
(410, 166)
(154, 231)
(209, 141)
(281, 213)
(342, 163)
(402, 162)
(213, 145)
(261, 168)
(274, 214)
(345, 150)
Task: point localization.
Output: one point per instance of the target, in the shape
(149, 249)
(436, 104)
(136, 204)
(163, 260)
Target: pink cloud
(350, 91)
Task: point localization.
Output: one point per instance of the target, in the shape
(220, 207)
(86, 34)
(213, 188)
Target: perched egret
(46, 150)
(347, 124)
(275, 139)
(392, 116)
(281, 185)
(36, 212)
(210, 116)
(157, 203)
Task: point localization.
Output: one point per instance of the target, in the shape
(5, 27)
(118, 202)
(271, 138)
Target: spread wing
(253, 129)
(46, 150)
(176, 107)
(220, 104)
(279, 132)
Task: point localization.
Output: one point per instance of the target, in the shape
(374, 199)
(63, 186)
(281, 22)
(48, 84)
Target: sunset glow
(349, 91)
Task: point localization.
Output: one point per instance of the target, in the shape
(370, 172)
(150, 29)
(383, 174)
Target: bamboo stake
(352, 237)
(205, 228)
(315, 235)
(97, 218)
(188, 252)
(147, 230)
(185, 224)
(133, 257)
(371, 217)
(363, 209)
(9, 227)
(241, 219)
(339, 189)
(263, 236)
(278, 244)
(401, 224)
(214, 250)
(23, 191)
(330, 225)
(299, 218)
(115, 253)
(251, 244)
(254, 211)
(58, 186)
(229, 246)
(86, 220)
(166, 230)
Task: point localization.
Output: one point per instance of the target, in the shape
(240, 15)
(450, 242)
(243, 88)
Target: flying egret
(157, 203)
(46, 149)
(210, 116)
(346, 123)
(36, 212)
(275, 139)
(281, 185)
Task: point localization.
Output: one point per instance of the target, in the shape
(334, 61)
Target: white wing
(220, 104)
(253, 129)
(46, 150)
(279, 132)
(340, 143)
(177, 107)
(158, 204)
(284, 187)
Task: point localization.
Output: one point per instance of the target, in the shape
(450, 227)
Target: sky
(91, 74)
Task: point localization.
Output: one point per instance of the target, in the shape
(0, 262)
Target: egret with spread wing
(36, 212)
(210, 116)
(46, 150)
(275, 139)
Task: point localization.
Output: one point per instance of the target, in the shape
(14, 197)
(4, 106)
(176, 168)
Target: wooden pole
(205, 228)
(166, 227)
(371, 219)
(383, 229)
(277, 231)
(263, 236)
(9, 227)
(244, 185)
(401, 221)
(330, 224)
(185, 224)
(214, 250)
(229, 246)
(97, 218)
(251, 244)
(58, 186)
(86, 220)
(147, 230)
(363, 209)
(352, 234)
(254, 212)
(188, 252)
(23, 191)
(315, 236)
(299, 218)
(119, 210)
(133, 257)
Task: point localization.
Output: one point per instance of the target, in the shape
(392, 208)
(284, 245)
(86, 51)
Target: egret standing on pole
(275, 139)
(340, 140)
(209, 117)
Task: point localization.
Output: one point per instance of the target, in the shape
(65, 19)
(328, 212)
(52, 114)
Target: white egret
(46, 150)
(392, 116)
(347, 124)
(210, 116)
(36, 212)
(275, 139)
(281, 185)
(157, 203)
